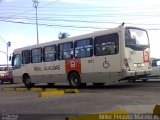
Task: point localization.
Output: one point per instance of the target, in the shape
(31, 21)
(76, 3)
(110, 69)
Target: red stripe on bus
(74, 64)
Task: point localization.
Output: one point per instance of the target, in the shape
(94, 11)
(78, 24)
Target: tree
(63, 35)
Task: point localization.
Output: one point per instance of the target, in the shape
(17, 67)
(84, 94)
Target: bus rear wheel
(27, 82)
(74, 80)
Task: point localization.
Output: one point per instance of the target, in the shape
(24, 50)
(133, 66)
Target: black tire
(51, 84)
(98, 84)
(27, 82)
(74, 80)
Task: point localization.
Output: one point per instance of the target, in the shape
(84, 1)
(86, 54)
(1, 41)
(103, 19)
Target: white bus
(121, 53)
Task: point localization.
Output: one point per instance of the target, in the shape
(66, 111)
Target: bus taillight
(146, 56)
(126, 64)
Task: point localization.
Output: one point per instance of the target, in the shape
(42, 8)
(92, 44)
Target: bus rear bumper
(136, 74)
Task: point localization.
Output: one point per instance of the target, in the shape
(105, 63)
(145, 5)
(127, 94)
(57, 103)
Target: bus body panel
(136, 60)
(48, 72)
(42, 72)
(102, 69)
(96, 77)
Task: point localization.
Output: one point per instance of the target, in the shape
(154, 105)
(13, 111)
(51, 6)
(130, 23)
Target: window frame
(85, 47)
(41, 56)
(71, 50)
(27, 58)
(55, 53)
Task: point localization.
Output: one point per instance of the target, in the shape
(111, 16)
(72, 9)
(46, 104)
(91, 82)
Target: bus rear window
(136, 39)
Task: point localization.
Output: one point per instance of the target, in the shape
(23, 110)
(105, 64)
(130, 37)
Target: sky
(76, 17)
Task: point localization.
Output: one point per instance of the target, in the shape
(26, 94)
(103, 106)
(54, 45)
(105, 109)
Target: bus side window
(36, 55)
(106, 44)
(49, 53)
(83, 48)
(65, 51)
(26, 56)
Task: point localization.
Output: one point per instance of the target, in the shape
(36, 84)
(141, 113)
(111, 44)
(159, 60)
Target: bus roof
(79, 37)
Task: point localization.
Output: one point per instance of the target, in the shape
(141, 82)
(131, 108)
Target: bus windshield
(136, 39)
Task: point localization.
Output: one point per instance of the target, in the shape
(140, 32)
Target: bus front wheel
(27, 82)
(74, 80)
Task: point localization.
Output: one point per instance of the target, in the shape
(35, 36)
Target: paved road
(139, 97)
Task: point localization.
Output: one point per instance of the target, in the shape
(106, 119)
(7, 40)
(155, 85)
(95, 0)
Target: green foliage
(63, 35)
